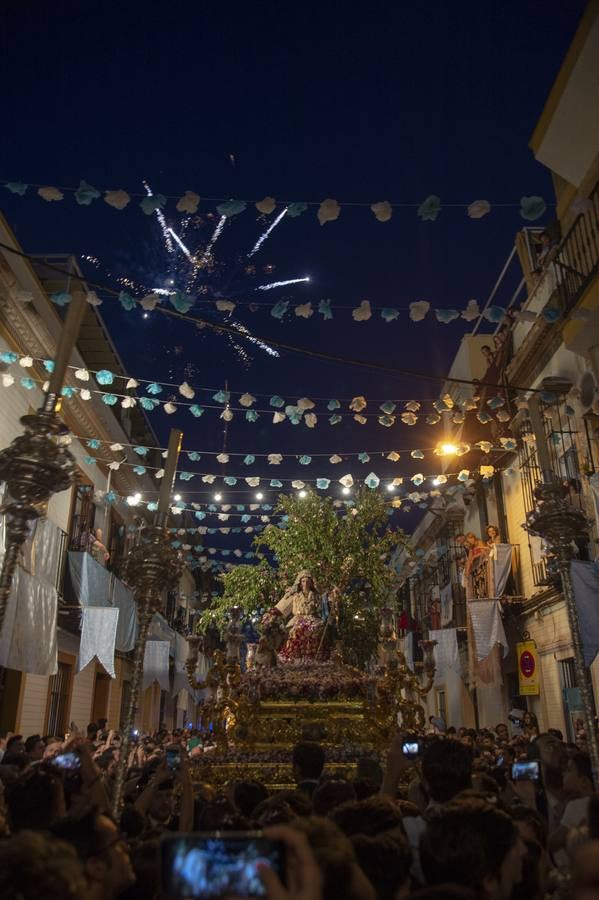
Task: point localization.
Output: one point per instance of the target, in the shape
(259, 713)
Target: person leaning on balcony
(98, 549)
(476, 548)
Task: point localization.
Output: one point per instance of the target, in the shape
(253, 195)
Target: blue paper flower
(231, 208)
(28, 383)
(212, 507)
(277, 402)
(305, 460)
(181, 302)
(484, 417)
(249, 459)
(149, 204)
(387, 421)
(194, 456)
(363, 457)
(16, 187)
(127, 301)
(152, 506)
(68, 391)
(230, 480)
(417, 454)
(180, 504)
(141, 450)
(8, 357)
(429, 209)
(200, 515)
(496, 402)
(251, 415)
(296, 209)
(225, 552)
(89, 460)
(175, 544)
(154, 388)
(86, 194)
(110, 399)
(389, 313)
(417, 479)
(60, 298)
(104, 376)
(49, 365)
(446, 315)
(245, 519)
(294, 414)
(333, 405)
(94, 444)
(432, 418)
(324, 308)
(236, 531)
(111, 496)
(222, 396)
(387, 407)
(532, 208)
(240, 507)
(279, 309)
(196, 411)
(275, 483)
(494, 313)
(372, 481)
(322, 483)
(147, 403)
(185, 476)
(551, 315)
(139, 470)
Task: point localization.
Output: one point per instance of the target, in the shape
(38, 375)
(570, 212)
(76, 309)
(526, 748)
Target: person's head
(530, 720)
(330, 794)
(92, 731)
(368, 767)
(247, 795)
(36, 866)
(385, 860)
(34, 747)
(556, 732)
(375, 815)
(102, 723)
(15, 744)
(486, 351)
(492, 532)
(341, 875)
(473, 843)
(578, 775)
(552, 753)
(99, 534)
(102, 849)
(308, 761)
(162, 804)
(36, 799)
(446, 769)
(502, 732)
(306, 584)
(471, 540)
(451, 733)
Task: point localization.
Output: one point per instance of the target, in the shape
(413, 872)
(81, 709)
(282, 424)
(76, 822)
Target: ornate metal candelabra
(37, 464)
(558, 523)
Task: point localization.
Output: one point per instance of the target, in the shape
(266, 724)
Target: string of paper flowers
(328, 210)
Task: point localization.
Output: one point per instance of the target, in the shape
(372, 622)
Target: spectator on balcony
(545, 251)
(98, 549)
(488, 354)
(492, 535)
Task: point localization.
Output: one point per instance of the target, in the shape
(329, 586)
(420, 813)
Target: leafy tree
(349, 549)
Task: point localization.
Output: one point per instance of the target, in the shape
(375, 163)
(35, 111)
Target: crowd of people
(459, 814)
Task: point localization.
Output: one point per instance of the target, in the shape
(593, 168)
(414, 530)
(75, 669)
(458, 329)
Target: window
(82, 516)
(567, 673)
(59, 691)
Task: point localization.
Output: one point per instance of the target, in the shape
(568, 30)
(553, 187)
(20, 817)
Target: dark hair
(365, 787)
(467, 839)
(446, 769)
(385, 860)
(35, 866)
(308, 758)
(92, 730)
(501, 725)
(298, 801)
(15, 738)
(330, 794)
(82, 832)
(446, 892)
(582, 764)
(31, 741)
(372, 816)
(247, 795)
(34, 800)
(17, 758)
(334, 854)
(556, 733)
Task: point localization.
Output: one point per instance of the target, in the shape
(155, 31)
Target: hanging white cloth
(98, 636)
(123, 600)
(28, 640)
(156, 665)
(446, 604)
(406, 646)
(160, 630)
(180, 682)
(501, 561)
(487, 627)
(446, 654)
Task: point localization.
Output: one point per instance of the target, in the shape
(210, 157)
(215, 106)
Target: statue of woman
(306, 623)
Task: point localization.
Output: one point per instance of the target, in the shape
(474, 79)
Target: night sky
(383, 102)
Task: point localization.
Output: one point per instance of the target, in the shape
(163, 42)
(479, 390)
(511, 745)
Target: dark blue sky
(389, 101)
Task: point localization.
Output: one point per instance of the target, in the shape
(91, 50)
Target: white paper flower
(298, 485)
(115, 466)
(266, 206)
(150, 302)
(131, 384)
(227, 414)
(117, 199)
(328, 211)
(335, 459)
(85, 394)
(26, 362)
(393, 456)
(208, 479)
(275, 459)
(278, 417)
(305, 403)
(188, 203)
(247, 400)
(304, 310)
(361, 420)
(347, 481)
(225, 305)
(7, 379)
(169, 408)
(311, 420)
(419, 310)
(358, 404)
(363, 312)
(478, 209)
(159, 473)
(50, 193)
(186, 391)
(128, 402)
(471, 312)
(92, 298)
(252, 481)
(382, 211)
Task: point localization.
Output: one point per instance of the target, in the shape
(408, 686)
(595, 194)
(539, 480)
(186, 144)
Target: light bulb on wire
(218, 497)
(302, 494)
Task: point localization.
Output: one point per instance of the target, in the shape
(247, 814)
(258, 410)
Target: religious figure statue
(273, 635)
(234, 635)
(306, 624)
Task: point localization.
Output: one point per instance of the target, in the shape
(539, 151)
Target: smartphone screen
(69, 761)
(410, 749)
(216, 865)
(525, 771)
(173, 758)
